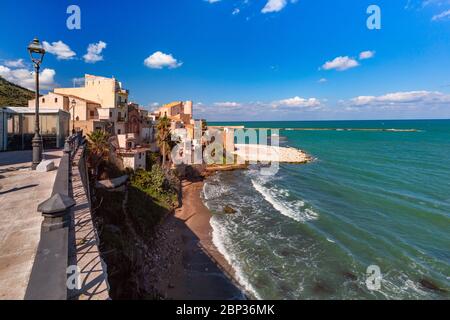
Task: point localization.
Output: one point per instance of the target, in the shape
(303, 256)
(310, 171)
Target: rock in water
(427, 284)
(229, 210)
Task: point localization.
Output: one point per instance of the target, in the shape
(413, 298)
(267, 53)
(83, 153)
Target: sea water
(370, 198)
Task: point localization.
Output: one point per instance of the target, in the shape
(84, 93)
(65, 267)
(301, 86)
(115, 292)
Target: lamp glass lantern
(36, 51)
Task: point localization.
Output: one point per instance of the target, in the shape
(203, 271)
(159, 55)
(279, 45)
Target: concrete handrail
(48, 276)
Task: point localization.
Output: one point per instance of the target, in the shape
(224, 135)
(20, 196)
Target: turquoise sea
(369, 198)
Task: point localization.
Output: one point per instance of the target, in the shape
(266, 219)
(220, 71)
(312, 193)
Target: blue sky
(246, 59)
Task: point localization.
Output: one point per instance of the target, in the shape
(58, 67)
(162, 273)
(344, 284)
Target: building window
(119, 131)
(92, 113)
(110, 114)
(56, 100)
(43, 100)
(140, 155)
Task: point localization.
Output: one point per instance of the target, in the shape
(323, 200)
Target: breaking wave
(296, 210)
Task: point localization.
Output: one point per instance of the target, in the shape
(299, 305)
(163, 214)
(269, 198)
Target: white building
(132, 155)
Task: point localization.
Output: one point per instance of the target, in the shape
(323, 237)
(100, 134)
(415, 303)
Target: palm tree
(204, 125)
(164, 138)
(98, 148)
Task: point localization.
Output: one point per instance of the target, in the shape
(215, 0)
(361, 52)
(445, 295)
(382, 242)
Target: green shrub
(152, 158)
(155, 184)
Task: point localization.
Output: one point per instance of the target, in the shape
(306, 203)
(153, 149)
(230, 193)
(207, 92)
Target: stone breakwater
(264, 153)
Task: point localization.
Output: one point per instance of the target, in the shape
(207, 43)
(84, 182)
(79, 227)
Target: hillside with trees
(14, 95)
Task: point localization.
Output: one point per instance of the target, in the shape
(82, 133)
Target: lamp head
(36, 51)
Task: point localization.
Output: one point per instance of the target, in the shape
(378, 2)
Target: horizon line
(329, 120)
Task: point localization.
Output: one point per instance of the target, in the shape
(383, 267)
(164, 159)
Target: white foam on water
(205, 195)
(293, 209)
(213, 191)
(223, 243)
(395, 286)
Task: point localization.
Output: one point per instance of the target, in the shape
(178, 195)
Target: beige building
(107, 92)
(181, 115)
(82, 111)
(100, 104)
(177, 111)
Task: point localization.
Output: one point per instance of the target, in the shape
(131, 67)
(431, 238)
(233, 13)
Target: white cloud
(421, 4)
(441, 16)
(25, 78)
(61, 50)
(274, 6)
(236, 11)
(292, 108)
(366, 55)
(94, 52)
(297, 102)
(15, 63)
(160, 60)
(212, 1)
(415, 98)
(227, 104)
(341, 64)
(323, 80)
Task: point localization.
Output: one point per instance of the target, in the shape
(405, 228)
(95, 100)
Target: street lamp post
(73, 104)
(37, 53)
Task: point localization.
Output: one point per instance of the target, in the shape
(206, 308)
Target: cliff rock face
(14, 95)
(131, 236)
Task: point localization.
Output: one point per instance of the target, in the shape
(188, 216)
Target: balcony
(123, 91)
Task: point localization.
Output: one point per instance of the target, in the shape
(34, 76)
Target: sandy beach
(198, 270)
(265, 153)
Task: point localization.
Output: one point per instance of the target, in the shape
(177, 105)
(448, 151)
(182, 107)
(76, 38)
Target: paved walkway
(85, 252)
(21, 190)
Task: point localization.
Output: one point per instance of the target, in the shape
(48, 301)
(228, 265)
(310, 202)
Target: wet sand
(199, 270)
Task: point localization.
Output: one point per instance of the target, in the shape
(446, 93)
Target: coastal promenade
(21, 191)
(53, 255)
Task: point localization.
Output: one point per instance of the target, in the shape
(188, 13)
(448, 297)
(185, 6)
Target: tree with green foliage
(164, 138)
(155, 184)
(204, 125)
(99, 146)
